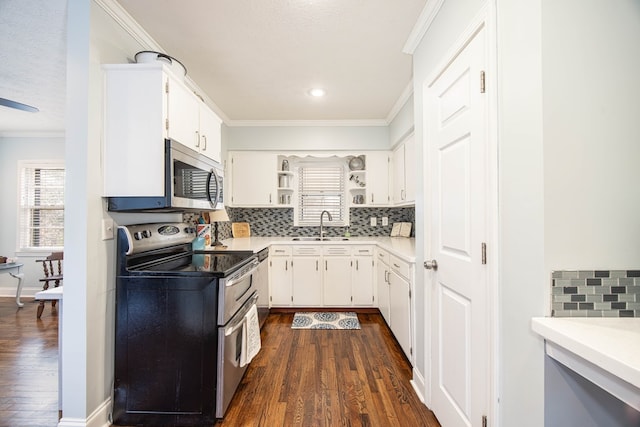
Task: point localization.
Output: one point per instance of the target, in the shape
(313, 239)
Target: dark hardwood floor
(28, 365)
(299, 378)
(328, 378)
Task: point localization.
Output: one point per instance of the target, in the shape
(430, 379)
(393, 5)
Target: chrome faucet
(322, 224)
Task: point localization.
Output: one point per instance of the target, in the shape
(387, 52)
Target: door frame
(486, 17)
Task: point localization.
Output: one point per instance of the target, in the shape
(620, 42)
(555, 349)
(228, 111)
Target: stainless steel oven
(237, 295)
(169, 304)
(193, 182)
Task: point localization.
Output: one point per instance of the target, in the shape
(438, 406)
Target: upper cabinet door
(399, 190)
(210, 137)
(377, 166)
(183, 114)
(253, 178)
(410, 166)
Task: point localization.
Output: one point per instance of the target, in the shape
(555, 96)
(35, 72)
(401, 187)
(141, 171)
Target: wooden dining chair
(52, 267)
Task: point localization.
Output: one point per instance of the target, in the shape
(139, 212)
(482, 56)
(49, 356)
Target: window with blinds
(321, 187)
(41, 206)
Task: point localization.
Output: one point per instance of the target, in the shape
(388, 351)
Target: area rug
(325, 320)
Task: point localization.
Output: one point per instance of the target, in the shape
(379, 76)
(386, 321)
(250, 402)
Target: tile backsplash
(595, 293)
(279, 222)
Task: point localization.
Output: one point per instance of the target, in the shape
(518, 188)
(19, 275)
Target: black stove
(166, 326)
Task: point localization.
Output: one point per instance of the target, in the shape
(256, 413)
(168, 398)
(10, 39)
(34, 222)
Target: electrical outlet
(385, 221)
(374, 221)
(107, 229)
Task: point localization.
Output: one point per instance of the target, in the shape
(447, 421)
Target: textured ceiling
(33, 63)
(255, 59)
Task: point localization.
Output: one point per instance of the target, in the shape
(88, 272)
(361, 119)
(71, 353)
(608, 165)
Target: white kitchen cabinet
(280, 275)
(307, 276)
(209, 136)
(382, 280)
(337, 275)
(144, 105)
(362, 283)
(253, 180)
(404, 172)
(377, 183)
(400, 303)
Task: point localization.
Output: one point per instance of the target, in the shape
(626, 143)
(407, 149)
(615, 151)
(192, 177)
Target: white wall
(591, 133)
(12, 150)
(306, 137)
(402, 123)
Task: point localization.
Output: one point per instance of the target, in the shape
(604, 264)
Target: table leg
(18, 276)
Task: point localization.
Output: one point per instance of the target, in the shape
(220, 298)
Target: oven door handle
(238, 320)
(234, 280)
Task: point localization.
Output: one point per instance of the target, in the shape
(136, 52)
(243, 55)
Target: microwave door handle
(213, 175)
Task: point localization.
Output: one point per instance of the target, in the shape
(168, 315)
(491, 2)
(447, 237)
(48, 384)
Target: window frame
(344, 206)
(21, 246)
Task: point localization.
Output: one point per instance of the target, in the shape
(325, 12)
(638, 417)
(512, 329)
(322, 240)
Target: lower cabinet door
(400, 303)
(281, 279)
(337, 281)
(307, 282)
(382, 273)
(362, 281)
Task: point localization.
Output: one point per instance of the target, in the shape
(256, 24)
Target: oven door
(235, 289)
(230, 372)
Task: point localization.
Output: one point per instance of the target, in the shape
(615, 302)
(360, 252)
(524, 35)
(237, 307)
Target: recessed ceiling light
(317, 92)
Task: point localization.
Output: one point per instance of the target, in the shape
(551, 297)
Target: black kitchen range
(186, 326)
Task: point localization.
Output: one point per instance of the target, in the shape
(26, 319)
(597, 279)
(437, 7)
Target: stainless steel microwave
(193, 182)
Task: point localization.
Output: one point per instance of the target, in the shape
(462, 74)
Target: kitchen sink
(318, 239)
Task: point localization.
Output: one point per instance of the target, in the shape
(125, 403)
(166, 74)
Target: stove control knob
(137, 235)
(146, 233)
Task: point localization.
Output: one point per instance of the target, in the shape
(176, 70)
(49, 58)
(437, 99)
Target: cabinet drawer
(382, 256)
(277, 250)
(399, 266)
(363, 250)
(336, 250)
(306, 250)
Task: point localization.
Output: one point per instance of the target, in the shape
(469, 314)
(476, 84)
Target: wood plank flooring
(328, 378)
(299, 378)
(28, 365)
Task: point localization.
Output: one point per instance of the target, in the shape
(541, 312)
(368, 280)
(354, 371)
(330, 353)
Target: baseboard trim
(98, 418)
(418, 385)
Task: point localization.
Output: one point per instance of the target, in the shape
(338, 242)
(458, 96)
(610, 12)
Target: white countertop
(402, 247)
(610, 346)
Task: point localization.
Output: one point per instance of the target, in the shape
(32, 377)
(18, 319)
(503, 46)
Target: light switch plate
(374, 221)
(385, 221)
(107, 229)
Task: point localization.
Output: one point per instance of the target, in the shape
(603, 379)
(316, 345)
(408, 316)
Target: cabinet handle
(371, 197)
(269, 197)
(396, 265)
(286, 265)
(204, 140)
(326, 265)
(402, 195)
(197, 139)
(357, 265)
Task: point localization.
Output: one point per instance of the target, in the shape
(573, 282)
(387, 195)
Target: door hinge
(166, 124)
(484, 421)
(166, 86)
(482, 82)
(409, 293)
(351, 298)
(484, 253)
(411, 351)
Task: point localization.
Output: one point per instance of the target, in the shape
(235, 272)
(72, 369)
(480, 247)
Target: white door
(456, 138)
(307, 281)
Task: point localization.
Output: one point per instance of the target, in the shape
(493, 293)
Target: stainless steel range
(171, 304)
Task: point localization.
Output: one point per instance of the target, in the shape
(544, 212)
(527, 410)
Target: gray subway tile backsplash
(595, 293)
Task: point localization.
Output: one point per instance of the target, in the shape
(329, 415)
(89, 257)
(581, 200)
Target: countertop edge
(570, 335)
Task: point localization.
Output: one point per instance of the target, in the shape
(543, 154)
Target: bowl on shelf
(356, 163)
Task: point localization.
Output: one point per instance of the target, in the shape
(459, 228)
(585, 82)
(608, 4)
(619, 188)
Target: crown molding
(305, 123)
(422, 25)
(402, 99)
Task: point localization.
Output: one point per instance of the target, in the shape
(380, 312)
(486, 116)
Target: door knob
(431, 265)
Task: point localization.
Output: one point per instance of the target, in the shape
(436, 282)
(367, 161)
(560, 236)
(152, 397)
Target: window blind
(41, 207)
(320, 188)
